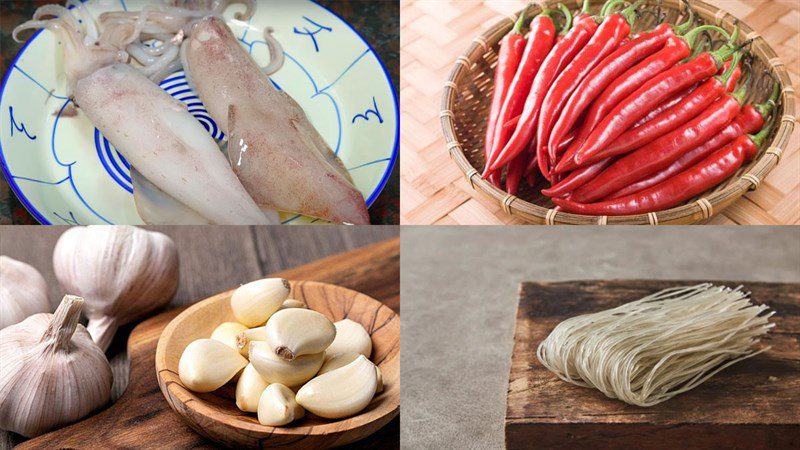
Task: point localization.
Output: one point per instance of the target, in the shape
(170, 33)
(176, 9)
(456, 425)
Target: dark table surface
(229, 256)
(378, 21)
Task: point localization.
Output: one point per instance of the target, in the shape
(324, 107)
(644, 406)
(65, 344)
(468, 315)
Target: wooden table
(213, 259)
(434, 190)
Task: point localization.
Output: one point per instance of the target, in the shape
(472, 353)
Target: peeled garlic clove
(277, 370)
(253, 334)
(277, 406)
(23, 292)
(51, 372)
(227, 333)
(292, 303)
(294, 332)
(337, 361)
(341, 392)
(207, 364)
(350, 337)
(249, 389)
(122, 272)
(253, 303)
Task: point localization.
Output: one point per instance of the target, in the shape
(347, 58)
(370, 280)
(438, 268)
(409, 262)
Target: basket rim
(701, 209)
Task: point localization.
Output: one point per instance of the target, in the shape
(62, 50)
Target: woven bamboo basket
(467, 97)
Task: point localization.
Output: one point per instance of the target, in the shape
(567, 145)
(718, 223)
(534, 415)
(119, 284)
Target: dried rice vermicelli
(650, 350)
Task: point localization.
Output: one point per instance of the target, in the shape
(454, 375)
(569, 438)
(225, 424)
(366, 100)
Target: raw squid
(278, 155)
(166, 144)
(155, 207)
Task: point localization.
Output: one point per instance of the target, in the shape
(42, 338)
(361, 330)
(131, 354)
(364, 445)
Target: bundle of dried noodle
(648, 351)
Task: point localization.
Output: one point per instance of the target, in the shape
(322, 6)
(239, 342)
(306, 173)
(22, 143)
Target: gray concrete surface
(459, 291)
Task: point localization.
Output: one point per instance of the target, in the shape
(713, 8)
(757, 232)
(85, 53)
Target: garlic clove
(294, 332)
(277, 370)
(350, 337)
(249, 389)
(341, 392)
(277, 406)
(253, 334)
(23, 292)
(207, 364)
(292, 303)
(227, 332)
(51, 372)
(253, 303)
(337, 361)
(122, 272)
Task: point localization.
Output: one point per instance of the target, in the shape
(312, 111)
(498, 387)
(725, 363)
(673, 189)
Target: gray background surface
(459, 291)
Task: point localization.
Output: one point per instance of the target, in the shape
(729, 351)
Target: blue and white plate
(65, 172)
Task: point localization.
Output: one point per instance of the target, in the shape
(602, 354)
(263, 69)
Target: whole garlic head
(52, 373)
(122, 272)
(23, 292)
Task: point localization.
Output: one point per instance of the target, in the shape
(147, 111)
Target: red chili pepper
(649, 95)
(628, 54)
(563, 52)
(603, 42)
(750, 119)
(516, 170)
(577, 178)
(701, 177)
(660, 153)
(667, 121)
(539, 42)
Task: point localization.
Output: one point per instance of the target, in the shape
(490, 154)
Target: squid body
(278, 155)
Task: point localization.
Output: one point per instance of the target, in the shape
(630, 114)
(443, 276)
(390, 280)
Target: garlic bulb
(207, 364)
(277, 370)
(341, 392)
(227, 333)
(23, 292)
(52, 374)
(253, 334)
(350, 337)
(292, 303)
(122, 272)
(277, 406)
(253, 303)
(294, 332)
(249, 389)
(343, 359)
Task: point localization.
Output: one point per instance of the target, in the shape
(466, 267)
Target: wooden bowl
(468, 94)
(215, 414)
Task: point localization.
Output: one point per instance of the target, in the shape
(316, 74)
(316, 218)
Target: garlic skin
(253, 334)
(253, 303)
(277, 406)
(294, 332)
(207, 364)
(23, 292)
(52, 373)
(249, 389)
(292, 303)
(277, 370)
(122, 272)
(227, 333)
(341, 392)
(350, 337)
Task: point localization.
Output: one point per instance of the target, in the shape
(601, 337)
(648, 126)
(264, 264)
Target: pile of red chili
(619, 123)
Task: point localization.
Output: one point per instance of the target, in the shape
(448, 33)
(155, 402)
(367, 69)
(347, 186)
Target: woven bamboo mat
(434, 191)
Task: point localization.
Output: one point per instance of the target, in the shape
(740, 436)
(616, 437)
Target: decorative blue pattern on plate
(65, 172)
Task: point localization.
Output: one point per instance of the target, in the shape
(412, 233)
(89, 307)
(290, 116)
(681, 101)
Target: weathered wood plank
(755, 402)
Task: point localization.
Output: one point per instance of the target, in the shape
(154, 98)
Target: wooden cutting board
(141, 418)
(752, 404)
